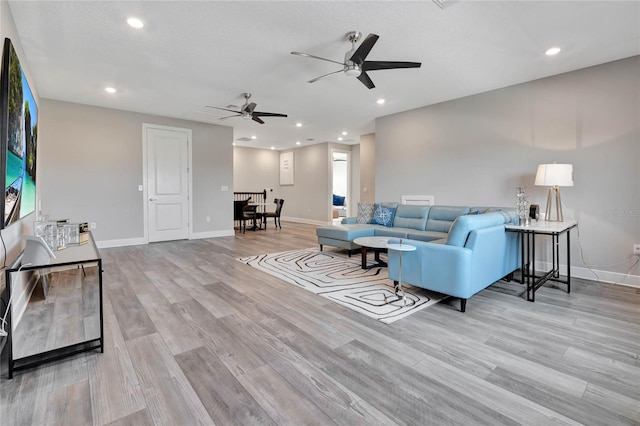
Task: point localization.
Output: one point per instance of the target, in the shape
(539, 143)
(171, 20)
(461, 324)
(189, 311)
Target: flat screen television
(18, 139)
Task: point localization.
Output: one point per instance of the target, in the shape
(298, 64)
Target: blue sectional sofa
(459, 250)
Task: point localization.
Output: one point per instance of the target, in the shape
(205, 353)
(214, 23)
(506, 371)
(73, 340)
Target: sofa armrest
(496, 252)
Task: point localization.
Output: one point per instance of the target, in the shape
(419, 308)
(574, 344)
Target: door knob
(153, 199)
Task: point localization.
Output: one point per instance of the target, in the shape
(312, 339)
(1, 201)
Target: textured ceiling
(196, 53)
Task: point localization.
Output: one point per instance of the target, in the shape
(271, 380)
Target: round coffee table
(377, 245)
(397, 287)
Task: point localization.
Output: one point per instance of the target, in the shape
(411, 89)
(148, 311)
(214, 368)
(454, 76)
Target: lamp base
(554, 190)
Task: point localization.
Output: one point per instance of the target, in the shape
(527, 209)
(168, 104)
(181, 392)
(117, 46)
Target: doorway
(340, 170)
(167, 178)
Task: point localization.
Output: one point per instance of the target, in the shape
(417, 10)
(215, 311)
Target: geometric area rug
(341, 279)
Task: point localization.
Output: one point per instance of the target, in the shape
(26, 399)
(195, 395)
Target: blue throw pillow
(338, 200)
(383, 215)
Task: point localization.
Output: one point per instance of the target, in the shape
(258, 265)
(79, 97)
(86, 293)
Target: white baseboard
(121, 243)
(142, 241)
(594, 274)
(212, 234)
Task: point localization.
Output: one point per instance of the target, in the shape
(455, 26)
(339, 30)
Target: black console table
(528, 252)
(74, 255)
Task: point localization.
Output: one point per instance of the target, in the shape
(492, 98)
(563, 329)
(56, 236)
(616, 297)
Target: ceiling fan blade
(229, 116)
(361, 53)
(224, 109)
(316, 57)
(267, 114)
(323, 76)
(364, 78)
(388, 65)
(257, 119)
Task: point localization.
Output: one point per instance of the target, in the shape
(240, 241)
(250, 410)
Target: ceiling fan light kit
(355, 63)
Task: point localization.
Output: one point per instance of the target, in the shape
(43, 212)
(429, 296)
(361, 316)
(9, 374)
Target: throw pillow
(365, 213)
(383, 215)
(338, 200)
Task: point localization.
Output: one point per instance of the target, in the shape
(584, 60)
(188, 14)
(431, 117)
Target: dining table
(260, 208)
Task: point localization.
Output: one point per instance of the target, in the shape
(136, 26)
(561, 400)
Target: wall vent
(419, 200)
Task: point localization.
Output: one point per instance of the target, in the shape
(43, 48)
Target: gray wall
(355, 180)
(308, 199)
(476, 150)
(256, 169)
(90, 166)
(368, 168)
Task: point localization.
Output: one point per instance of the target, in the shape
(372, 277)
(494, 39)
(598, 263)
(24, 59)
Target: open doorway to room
(341, 183)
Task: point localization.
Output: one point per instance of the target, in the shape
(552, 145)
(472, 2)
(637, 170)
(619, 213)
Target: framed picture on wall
(286, 168)
(18, 139)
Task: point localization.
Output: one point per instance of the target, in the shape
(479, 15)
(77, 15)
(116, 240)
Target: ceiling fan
(355, 65)
(248, 111)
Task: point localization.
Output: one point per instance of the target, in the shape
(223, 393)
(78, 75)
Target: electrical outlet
(92, 225)
(636, 249)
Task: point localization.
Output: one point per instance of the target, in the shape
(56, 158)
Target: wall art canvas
(19, 135)
(286, 168)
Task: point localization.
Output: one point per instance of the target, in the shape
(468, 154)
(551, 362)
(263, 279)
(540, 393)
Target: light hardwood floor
(195, 337)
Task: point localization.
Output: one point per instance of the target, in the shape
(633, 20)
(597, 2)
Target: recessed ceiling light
(135, 22)
(110, 90)
(233, 143)
(298, 124)
(253, 137)
(380, 101)
(273, 147)
(340, 138)
(298, 143)
(344, 133)
(552, 51)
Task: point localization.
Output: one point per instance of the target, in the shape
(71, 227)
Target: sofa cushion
(383, 215)
(345, 232)
(429, 236)
(467, 223)
(441, 217)
(411, 216)
(365, 213)
(383, 231)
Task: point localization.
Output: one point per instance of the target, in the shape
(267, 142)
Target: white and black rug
(342, 280)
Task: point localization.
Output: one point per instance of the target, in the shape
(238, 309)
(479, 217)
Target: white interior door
(341, 185)
(167, 186)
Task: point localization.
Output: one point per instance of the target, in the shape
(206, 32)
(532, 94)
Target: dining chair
(240, 213)
(249, 213)
(279, 202)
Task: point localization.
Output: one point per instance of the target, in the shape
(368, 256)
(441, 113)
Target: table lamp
(554, 176)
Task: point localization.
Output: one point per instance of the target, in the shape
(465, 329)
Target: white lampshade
(554, 175)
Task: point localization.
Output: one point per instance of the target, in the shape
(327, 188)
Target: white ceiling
(196, 53)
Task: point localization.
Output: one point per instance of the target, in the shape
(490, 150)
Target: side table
(77, 256)
(399, 292)
(528, 253)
